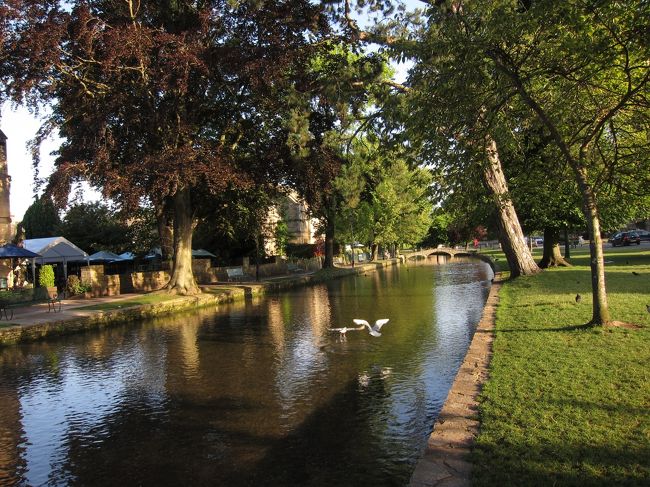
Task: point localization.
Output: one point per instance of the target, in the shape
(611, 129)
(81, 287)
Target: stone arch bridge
(444, 254)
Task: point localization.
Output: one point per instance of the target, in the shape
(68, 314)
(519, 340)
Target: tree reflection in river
(259, 393)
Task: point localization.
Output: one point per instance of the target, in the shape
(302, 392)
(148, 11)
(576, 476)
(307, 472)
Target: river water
(261, 393)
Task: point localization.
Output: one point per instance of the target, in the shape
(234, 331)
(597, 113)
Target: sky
(20, 127)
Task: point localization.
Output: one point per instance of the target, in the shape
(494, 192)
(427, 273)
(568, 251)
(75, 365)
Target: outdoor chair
(54, 302)
(6, 310)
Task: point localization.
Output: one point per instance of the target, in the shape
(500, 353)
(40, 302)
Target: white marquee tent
(55, 250)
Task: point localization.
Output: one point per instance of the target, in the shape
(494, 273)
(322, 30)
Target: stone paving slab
(445, 461)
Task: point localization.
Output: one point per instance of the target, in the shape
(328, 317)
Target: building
(301, 227)
(6, 231)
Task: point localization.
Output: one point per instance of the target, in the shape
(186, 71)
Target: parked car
(625, 238)
(644, 235)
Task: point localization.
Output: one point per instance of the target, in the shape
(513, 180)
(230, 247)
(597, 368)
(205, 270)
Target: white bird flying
(373, 330)
(344, 330)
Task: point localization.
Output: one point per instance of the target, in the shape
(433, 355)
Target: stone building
(301, 227)
(5, 183)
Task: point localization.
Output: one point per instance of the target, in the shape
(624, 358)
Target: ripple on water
(264, 394)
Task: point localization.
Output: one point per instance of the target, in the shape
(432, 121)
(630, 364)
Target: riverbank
(446, 459)
(37, 321)
(566, 403)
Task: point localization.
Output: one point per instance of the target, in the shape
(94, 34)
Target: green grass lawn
(568, 404)
(152, 298)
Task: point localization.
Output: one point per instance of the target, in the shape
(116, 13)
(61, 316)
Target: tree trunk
(600, 308)
(374, 251)
(552, 256)
(165, 224)
(518, 255)
(182, 278)
(258, 237)
(328, 263)
(567, 245)
(600, 311)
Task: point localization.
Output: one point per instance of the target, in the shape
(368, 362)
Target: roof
(55, 249)
(202, 253)
(104, 256)
(3, 137)
(9, 251)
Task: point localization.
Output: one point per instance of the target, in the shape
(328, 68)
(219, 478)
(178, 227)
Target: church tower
(5, 183)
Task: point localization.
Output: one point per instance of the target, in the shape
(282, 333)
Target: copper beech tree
(162, 102)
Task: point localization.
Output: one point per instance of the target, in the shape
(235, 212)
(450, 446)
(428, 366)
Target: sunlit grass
(152, 298)
(568, 404)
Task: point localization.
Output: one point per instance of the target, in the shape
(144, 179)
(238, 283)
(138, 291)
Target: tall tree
(383, 200)
(451, 114)
(94, 227)
(327, 114)
(162, 101)
(457, 118)
(41, 219)
(582, 69)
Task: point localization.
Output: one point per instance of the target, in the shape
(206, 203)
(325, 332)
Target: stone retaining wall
(95, 319)
(445, 461)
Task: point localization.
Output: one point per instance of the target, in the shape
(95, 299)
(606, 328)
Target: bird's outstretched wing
(380, 323)
(362, 322)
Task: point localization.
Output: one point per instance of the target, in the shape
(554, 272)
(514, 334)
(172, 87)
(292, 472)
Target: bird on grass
(578, 298)
(342, 331)
(647, 308)
(636, 273)
(373, 330)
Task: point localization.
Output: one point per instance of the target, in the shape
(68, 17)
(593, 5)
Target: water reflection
(262, 393)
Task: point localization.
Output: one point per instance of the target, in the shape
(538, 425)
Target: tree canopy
(164, 102)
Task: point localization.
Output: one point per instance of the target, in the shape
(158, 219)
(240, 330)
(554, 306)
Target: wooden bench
(291, 267)
(236, 274)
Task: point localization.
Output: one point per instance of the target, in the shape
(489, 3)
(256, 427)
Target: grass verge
(568, 404)
(152, 298)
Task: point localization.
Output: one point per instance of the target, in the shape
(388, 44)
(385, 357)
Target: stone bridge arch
(447, 253)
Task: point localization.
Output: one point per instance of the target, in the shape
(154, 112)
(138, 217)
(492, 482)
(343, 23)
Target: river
(259, 393)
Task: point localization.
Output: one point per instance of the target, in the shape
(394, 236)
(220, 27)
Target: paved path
(36, 314)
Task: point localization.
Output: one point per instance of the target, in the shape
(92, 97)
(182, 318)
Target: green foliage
(41, 219)
(74, 286)
(381, 199)
(281, 236)
(46, 276)
(401, 205)
(94, 227)
(301, 251)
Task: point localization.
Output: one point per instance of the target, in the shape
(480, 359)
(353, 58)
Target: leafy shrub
(74, 286)
(46, 276)
(302, 251)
